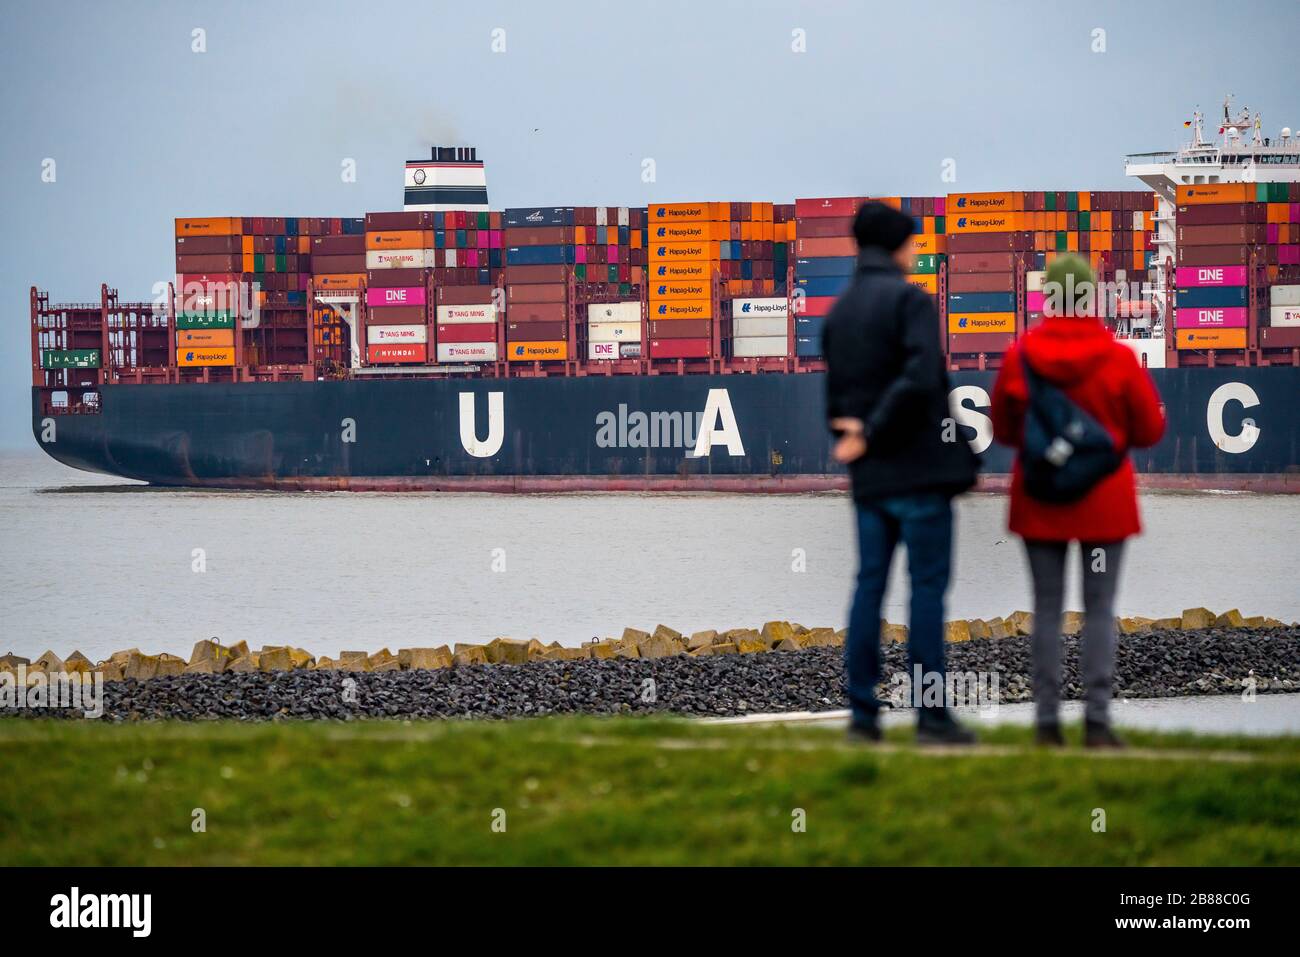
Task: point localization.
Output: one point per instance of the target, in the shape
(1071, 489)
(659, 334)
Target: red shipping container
(988, 242)
(468, 332)
(539, 236)
(830, 246)
(680, 329)
(536, 292)
(394, 278)
(537, 312)
(969, 343)
(982, 262)
(823, 226)
(822, 207)
(397, 315)
(1218, 214)
(351, 263)
(379, 222)
(531, 274)
(215, 263)
(464, 296)
(681, 348)
(535, 331)
(208, 245)
(338, 245)
(818, 305)
(981, 282)
(1215, 255)
(405, 353)
(1226, 234)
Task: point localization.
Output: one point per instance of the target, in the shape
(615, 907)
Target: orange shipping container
(981, 322)
(688, 213)
(678, 252)
(929, 243)
(670, 289)
(1198, 193)
(191, 338)
(692, 232)
(400, 239)
(537, 351)
(682, 309)
(1210, 338)
(930, 283)
(960, 203)
(690, 271)
(986, 223)
(205, 356)
(209, 226)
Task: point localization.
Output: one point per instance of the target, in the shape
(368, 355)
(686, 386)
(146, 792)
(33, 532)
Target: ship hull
(1231, 428)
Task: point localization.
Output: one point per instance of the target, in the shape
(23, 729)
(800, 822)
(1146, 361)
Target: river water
(92, 563)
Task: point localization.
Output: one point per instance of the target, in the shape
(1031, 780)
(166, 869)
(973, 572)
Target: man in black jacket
(887, 402)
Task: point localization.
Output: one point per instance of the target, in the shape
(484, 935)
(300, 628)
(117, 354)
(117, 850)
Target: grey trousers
(1101, 570)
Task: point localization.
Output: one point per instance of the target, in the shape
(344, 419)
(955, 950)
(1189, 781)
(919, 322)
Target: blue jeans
(922, 522)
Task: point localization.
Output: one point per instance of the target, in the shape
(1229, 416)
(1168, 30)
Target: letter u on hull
(496, 425)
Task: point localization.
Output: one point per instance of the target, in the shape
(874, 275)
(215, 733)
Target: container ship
(674, 346)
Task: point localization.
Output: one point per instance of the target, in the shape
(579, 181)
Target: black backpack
(1066, 451)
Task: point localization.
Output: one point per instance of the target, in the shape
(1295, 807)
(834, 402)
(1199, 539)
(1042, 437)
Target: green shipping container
(1062, 242)
(1049, 203)
(206, 320)
(281, 262)
(939, 224)
(1071, 202)
(926, 265)
(259, 262)
(1085, 220)
(579, 273)
(613, 273)
(69, 358)
(483, 220)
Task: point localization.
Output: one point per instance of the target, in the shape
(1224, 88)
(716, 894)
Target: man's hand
(852, 443)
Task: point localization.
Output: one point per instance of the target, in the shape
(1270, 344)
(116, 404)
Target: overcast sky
(143, 129)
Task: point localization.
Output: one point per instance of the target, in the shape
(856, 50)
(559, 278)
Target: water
(92, 563)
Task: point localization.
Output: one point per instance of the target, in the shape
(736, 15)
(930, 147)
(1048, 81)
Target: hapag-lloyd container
(400, 296)
(673, 289)
(776, 306)
(682, 309)
(467, 332)
(400, 353)
(537, 351)
(966, 322)
(1192, 277)
(376, 335)
(472, 314)
(1211, 318)
(1209, 338)
(467, 352)
(621, 313)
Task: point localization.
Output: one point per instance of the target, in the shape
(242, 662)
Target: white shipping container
(758, 347)
(399, 258)
(614, 332)
(775, 306)
(1034, 280)
(1139, 220)
(750, 326)
(377, 335)
(602, 216)
(623, 312)
(622, 216)
(467, 352)
(1284, 295)
(602, 350)
(1284, 316)
(451, 315)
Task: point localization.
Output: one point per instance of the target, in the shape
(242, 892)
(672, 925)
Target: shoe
(864, 731)
(942, 728)
(1097, 734)
(1049, 735)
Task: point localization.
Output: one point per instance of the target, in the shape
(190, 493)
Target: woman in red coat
(1073, 350)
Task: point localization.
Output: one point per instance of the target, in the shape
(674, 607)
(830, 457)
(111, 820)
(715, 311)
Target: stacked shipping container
(540, 254)
(1238, 249)
(685, 249)
(398, 260)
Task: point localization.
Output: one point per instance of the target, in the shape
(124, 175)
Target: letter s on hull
(966, 416)
(496, 425)
(1244, 440)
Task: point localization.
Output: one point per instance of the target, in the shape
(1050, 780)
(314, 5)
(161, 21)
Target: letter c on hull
(496, 425)
(1244, 440)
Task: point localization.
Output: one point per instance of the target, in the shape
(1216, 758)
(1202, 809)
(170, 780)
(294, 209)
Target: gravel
(1163, 664)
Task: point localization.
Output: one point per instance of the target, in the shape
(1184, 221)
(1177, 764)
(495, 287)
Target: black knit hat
(881, 226)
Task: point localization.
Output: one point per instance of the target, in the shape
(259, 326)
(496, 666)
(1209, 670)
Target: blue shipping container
(540, 216)
(823, 286)
(982, 302)
(825, 266)
(1210, 297)
(539, 255)
(808, 348)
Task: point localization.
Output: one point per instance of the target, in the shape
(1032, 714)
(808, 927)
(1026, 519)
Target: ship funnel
(451, 178)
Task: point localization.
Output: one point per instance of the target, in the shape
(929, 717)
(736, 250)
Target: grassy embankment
(627, 791)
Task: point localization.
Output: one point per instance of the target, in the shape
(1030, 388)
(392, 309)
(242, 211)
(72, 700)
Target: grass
(627, 791)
